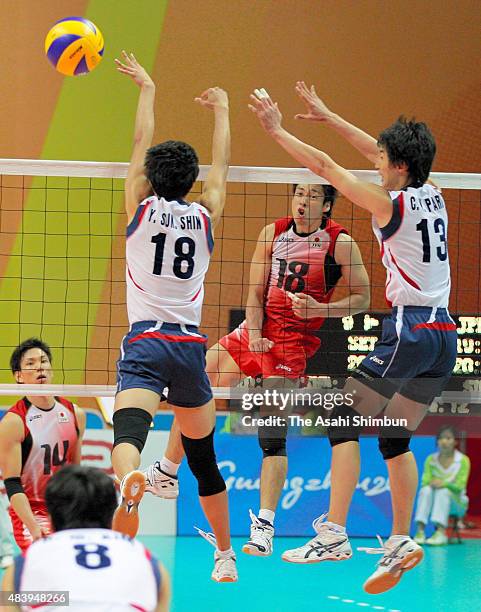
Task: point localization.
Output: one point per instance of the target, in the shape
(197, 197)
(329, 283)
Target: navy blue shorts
(158, 355)
(415, 355)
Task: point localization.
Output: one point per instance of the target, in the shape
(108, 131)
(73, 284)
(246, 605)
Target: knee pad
(201, 459)
(347, 430)
(391, 446)
(272, 440)
(131, 426)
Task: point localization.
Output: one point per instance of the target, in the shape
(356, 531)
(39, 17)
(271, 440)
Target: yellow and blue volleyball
(74, 46)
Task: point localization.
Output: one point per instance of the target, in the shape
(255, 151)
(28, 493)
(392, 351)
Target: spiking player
(411, 363)
(100, 569)
(305, 254)
(38, 435)
(169, 243)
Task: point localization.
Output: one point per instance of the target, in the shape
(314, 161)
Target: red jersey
(301, 263)
(51, 436)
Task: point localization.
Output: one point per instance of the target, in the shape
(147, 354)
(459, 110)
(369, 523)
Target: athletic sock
(396, 539)
(225, 554)
(267, 515)
(169, 467)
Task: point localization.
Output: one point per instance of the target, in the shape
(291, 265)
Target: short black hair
(19, 352)
(410, 142)
(172, 168)
(330, 196)
(79, 497)
(446, 428)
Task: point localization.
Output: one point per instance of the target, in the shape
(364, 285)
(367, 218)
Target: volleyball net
(62, 267)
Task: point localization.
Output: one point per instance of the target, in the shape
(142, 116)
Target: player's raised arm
(11, 437)
(259, 274)
(136, 185)
(366, 195)
(318, 111)
(213, 195)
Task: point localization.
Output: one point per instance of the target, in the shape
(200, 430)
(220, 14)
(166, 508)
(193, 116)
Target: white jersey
(168, 252)
(414, 249)
(101, 569)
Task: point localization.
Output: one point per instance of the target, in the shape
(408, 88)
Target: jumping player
(81, 502)
(411, 363)
(169, 243)
(38, 435)
(306, 254)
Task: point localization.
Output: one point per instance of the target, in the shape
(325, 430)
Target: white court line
(362, 604)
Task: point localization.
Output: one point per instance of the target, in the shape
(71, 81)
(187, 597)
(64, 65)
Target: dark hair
(330, 196)
(79, 497)
(172, 168)
(412, 143)
(445, 428)
(19, 352)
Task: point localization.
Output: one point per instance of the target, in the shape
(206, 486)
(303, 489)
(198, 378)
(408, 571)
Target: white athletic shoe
(328, 545)
(397, 557)
(437, 539)
(225, 568)
(160, 483)
(260, 542)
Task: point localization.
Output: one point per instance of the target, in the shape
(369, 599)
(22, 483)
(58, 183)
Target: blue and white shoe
(159, 483)
(398, 556)
(328, 545)
(260, 542)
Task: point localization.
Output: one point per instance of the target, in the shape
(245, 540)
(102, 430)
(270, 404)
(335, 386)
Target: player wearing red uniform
(38, 435)
(411, 363)
(303, 255)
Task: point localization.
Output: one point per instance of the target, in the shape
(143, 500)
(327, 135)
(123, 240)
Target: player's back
(414, 248)
(101, 569)
(169, 244)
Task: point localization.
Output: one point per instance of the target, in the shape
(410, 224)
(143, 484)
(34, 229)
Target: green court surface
(448, 580)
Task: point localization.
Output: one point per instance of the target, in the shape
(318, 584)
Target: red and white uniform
(51, 436)
(101, 569)
(168, 252)
(301, 263)
(414, 249)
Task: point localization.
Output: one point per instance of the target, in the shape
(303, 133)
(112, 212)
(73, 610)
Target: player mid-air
(169, 243)
(306, 254)
(412, 362)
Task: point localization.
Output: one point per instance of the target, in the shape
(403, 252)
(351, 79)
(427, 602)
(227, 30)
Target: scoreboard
(347, 341)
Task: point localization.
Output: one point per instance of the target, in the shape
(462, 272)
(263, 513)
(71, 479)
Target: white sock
(335, 527)
(169, 467)
(398, 538)
(267, 515)
(225, 554)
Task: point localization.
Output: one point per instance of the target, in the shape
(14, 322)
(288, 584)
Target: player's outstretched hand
(213, 98)
(316, 109)
(266, 110)
(260, 345)
(304, 306)
(131, 67)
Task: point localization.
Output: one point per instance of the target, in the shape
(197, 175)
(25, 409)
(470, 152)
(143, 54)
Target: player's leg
(331, 542)
(161, 476)
(133, 413)
(197, 430)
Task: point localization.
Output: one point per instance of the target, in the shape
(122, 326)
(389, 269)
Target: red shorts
(20, 532)
(287, 358)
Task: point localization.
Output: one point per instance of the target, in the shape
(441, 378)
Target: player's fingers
(253, 109)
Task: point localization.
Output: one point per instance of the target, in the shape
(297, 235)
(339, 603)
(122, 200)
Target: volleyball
(74, 46)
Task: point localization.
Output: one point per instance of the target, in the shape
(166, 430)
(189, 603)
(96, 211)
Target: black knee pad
(394, 442)
(131, 426)
(201, 459)
(272, 440)
(347, 430)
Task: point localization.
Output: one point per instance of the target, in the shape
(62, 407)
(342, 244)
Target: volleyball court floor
(448, 580)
